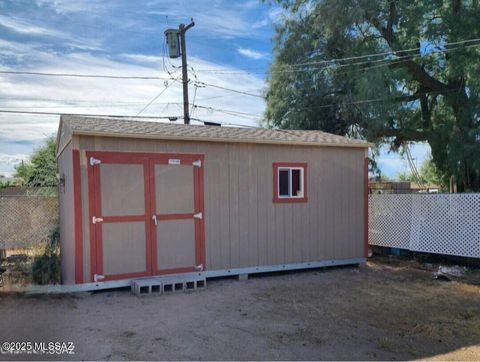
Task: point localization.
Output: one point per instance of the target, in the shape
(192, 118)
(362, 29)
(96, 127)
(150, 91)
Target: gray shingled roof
(129, 128)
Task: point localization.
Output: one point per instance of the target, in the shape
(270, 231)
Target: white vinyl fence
(433, 223)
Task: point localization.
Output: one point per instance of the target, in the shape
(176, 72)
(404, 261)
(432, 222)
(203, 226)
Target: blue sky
(126, 38)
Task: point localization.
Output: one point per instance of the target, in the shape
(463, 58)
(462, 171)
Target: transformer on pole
(173, 42)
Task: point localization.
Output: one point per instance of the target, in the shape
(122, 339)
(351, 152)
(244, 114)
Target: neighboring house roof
(114, 127)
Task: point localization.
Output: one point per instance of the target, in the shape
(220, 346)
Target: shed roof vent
(212, 124)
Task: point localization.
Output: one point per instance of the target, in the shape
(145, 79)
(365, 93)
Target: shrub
(46, 267)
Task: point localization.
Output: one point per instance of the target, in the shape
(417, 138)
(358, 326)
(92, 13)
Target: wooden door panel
(176, 243)
(174, 189)
(146, 214)
(177, 235)
(121, 242)
(122, 189)
(124, 248)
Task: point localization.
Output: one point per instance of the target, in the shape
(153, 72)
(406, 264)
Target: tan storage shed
(145, 198)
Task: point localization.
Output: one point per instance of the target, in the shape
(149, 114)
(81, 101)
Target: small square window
(289, 182)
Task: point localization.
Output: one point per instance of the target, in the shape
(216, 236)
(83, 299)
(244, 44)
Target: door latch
(199, 267)
(198, 216)
(96, 219)
(154, 218)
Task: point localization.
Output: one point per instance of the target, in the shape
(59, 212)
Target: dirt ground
(388, 310)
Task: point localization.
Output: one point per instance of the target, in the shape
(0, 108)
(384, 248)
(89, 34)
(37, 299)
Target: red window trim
(281, 200)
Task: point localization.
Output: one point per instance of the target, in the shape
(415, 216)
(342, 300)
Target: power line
(72, 102)
(336, 60)
(88, 114)
(233, 112)
(121, 77)
(413, 167)
(225, 123)
(384, 62)
(36, 113)
(365, 101)
(195, 90)
(391, 52)
(226, 71)
(171, 118)
(222, 96)
(107, 105)
(193, 107)
(229, 89)
(388, 62)
(155, 98)
(82, 75)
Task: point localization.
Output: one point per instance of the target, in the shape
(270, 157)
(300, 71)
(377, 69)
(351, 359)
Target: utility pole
(174, 37)
(183, 29)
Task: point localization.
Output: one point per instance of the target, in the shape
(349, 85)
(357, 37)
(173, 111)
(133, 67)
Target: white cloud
(221, 19)
(117, 96)
(57, 48)
(9, 162)
(4, 158)
(252, 54)
(142, 58)
(24, 27)
(72, 7)
(251, 4)
(260, 24)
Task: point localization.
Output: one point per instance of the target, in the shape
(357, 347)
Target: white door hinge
(197, 163)
(96, 219)
(94, 161)
(98, 277)
(198, 216)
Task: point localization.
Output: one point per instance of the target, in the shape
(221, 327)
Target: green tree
(428, 173)
(424, 85)
(5, 184)
(41, 170)
(406, 176)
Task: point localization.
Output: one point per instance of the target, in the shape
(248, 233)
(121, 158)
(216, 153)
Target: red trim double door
(146, 214)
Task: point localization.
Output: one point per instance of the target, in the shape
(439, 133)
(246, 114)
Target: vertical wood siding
(67, 216)
(243, 227)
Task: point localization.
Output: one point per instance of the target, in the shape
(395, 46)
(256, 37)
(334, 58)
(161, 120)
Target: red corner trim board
(77, 202)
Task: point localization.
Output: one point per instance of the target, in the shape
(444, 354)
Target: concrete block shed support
(242, 277)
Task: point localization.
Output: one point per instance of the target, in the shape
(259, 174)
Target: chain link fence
(28, 217)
